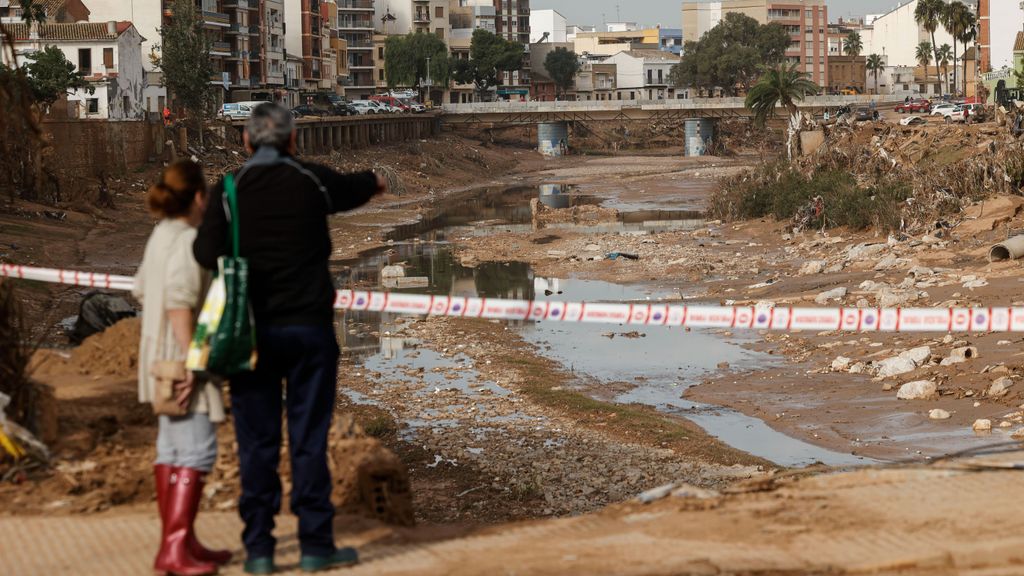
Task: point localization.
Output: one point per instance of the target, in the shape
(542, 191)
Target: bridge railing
(616, 105)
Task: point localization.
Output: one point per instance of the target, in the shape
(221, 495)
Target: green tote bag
(224, 343)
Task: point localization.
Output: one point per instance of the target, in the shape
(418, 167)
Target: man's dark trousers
(306, 358)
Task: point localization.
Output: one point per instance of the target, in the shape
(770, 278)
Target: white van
(239, 110)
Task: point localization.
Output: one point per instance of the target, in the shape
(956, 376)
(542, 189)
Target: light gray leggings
(189, 441)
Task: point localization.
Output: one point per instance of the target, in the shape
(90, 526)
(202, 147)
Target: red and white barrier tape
(1001, 319)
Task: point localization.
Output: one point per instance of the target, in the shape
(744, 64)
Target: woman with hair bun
(171, 286)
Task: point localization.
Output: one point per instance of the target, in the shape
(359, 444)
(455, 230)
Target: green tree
(875, 64)
(185, 62)
(945, 57)
(562, 66)
(489, 56)
(924, 58)
(929, 14)
(406, 61)
(970, 34)
(959, 21)
(780, 85)
(731, 55)
(854, 44)
(51, 75)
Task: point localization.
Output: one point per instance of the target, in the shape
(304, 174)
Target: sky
(669, 14)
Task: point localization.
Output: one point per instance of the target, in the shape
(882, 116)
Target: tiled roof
(68, 32)
(1018, 46)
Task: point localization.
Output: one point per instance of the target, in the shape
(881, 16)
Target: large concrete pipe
(1009, 250)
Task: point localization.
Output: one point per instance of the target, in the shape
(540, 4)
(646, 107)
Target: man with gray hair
(283, 205)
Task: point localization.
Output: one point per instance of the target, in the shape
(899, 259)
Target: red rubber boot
(198, 551)
(180, 506)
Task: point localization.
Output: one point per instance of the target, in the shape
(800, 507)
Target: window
(650, 76)
(660, 76)
(85, 61)
(439, 12)
(380, 53)
(108, 58)
(380, 75)
(92, 105)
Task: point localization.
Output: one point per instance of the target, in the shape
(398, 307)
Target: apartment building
(308, 28)
(356, 28)
(412, 16)
(806, 21)
(512, 22)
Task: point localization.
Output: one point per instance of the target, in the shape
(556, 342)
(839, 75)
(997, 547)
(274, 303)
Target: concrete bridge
(324, 135)
(511, 113)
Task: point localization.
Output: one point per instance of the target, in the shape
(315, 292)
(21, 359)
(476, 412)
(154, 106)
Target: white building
(573, 30)
(147, 16)
(622, 26)
(896, 35)
(548, 22)
(643, 74)
(108, 54)
(411, 16)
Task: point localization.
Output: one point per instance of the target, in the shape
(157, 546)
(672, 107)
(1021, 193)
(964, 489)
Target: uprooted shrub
(824, 199)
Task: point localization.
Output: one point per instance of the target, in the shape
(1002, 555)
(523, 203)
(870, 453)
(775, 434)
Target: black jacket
(283, 206)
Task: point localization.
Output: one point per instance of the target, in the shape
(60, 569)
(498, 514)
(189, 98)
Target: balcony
(237, 28)
(220, 49)
(216, 19)
(421, 17)
(355, 24)
(241, 4)
(355, 5)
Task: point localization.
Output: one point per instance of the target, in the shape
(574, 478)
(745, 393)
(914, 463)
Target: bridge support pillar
(553, 138)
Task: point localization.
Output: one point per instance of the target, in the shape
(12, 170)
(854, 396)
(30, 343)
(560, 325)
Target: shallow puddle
(656, 364)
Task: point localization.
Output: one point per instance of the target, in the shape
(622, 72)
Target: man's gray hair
(270, 125)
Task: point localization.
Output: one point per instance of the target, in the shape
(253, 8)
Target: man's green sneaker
(342, 557)
(261, 565)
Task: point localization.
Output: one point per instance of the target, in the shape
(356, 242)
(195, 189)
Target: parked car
(942, 109)
(381, 107)
(344, 109)
(238, 110)
(307, 110)
(913, 121)
(417, 108)
(976, 113)
(393, 104)
(365, 107)
(914, 106)
(863, 114)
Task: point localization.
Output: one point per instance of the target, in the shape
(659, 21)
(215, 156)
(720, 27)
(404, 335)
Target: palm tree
(945, 56)
(970, 35)
(854, 44)
(785, 85)
(928, 15)
(924, 58)
(957, 18)
(874, 65)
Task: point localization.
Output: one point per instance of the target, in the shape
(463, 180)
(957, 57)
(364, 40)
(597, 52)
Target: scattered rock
(833, 294)
(982, 425)
(895, 366)
(938, 414)
(841, 364)
(919, 390)
(812, 267)
(999, 387)
(918, 355)
(865, 251)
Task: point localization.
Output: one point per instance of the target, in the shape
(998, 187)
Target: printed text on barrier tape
(732, 317)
